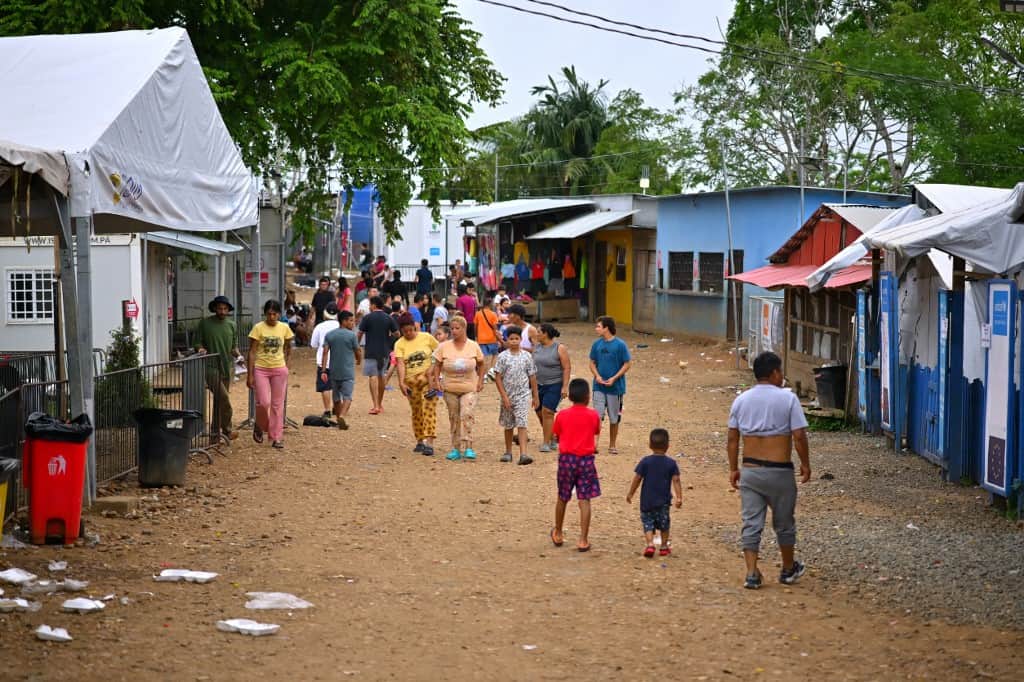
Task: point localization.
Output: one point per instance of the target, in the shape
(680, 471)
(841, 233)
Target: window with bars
(680, 270)
(712, 272)
(29, 295)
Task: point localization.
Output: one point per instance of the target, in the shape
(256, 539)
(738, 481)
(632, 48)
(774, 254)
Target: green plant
(118, 393)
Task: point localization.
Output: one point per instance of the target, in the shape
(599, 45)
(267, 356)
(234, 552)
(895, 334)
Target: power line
(791, 60)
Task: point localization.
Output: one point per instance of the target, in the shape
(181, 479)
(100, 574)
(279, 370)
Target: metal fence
(183, 332)
(176, 385)
(23, 367)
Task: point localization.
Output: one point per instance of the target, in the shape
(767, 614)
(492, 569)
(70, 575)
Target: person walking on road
(459, 372)
(322, 297)
(270, 348)
(440, 315)
(770, 422)
(424, 279)
(554, 369)
(377, 328)
(577, 429)
(659, 474)
(466, 304)
(414, 354)
(345, 297)
(218, 334)
(341, 356)
(487, 334)
(516, 378)
(609, 362)
(316, 342)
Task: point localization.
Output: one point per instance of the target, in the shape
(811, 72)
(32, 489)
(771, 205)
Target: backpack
(316, 420)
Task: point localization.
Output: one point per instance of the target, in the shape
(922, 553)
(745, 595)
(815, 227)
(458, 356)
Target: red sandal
(664, 551)
(649, 552)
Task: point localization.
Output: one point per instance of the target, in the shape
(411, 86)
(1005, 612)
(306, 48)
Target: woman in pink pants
(270, 347)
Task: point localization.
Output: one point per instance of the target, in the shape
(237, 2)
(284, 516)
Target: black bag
(316, 420)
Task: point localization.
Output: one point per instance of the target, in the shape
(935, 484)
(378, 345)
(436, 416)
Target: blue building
(692, 294)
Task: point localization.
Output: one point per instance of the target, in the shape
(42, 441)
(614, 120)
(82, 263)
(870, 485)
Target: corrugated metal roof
(584, 224)
(503, 210)
(190, 242)
(860, 216)
(777, 276)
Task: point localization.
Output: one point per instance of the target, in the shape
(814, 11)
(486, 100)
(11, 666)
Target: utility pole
(800, 161)
(495, 174)
(732, 259)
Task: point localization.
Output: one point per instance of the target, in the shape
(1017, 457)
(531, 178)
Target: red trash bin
(53, 471)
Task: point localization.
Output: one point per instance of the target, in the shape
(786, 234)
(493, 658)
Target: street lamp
(1012, 6)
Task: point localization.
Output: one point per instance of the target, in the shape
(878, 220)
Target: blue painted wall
(762, 220)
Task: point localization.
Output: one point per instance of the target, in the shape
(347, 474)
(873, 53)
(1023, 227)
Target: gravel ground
(887, 528)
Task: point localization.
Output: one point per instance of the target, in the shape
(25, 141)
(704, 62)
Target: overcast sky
(526, 49)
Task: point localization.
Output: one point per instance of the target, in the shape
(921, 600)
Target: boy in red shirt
(576, 428)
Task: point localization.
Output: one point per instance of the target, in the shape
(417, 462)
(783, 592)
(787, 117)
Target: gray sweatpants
(761, 488)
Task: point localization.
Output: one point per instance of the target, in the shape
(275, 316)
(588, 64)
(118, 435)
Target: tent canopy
(986, 235)
(125, 126)
(581, 225)
(190, 242)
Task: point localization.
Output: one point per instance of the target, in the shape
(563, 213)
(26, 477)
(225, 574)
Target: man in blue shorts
(609, 362)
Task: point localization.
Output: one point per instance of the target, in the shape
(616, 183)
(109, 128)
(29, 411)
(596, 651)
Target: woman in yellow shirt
(270, 347)
(414, 353)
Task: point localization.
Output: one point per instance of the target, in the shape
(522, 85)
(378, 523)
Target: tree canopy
(319, 94)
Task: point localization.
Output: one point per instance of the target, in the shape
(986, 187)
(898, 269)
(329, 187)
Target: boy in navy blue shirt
(660, 476)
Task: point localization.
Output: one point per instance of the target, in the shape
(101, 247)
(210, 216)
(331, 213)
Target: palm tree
(564, 128)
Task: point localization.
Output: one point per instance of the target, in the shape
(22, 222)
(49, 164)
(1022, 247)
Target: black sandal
(279, 444)
(257, 434)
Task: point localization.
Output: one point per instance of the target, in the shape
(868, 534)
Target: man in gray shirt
(341, 355)
(771, 422)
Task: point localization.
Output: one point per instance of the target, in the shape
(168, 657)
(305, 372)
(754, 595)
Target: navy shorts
(656, 519)
(490, 348)
(322, 385)
(579, 473)
(550, 395)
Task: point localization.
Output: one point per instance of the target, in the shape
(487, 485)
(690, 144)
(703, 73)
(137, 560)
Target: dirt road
(423, 569)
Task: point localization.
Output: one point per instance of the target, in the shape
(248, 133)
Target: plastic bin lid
(44, 427)
(7, 467)
(154, 414)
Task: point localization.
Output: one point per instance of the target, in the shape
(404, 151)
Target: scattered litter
(247, 627)
(8, 605)
(94, 538)
(40, 587)
(69, 585)
(11, 542)
(683, 364)
(173, 575)
(275, 600)
(911, 526)
(529, 647)
(16, 576)
(48, 634)
(125, 601)
(666, 340)
(56, 566)
(642, 345)
(109, 597)
(83, 605)
(664, 380)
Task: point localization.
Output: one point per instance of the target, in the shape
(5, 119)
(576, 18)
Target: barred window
(680, 270)
(29, 295)
(712, 272)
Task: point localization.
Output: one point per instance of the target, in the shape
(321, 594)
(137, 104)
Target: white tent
(945, 198)
(123, 124)
(987, 235)
(111, 132)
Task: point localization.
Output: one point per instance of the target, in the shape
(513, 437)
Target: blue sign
(1000, 313)
(435, 250)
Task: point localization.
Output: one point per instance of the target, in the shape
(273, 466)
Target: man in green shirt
(217, 334)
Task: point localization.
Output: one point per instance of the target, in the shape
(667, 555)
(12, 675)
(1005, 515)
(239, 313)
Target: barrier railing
(183, 331)
(23, 367)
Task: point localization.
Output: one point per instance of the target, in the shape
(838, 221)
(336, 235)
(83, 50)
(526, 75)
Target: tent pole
(83, 234)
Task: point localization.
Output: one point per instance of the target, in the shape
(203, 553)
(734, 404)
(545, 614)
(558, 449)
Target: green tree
(339, 93)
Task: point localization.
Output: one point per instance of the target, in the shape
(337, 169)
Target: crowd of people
(447, 353)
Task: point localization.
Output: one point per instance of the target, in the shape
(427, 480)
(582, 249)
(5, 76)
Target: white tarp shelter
(113, 133)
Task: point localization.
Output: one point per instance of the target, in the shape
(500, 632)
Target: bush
(119, 393)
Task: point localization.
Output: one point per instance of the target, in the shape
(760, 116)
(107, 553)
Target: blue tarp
(360, 214)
